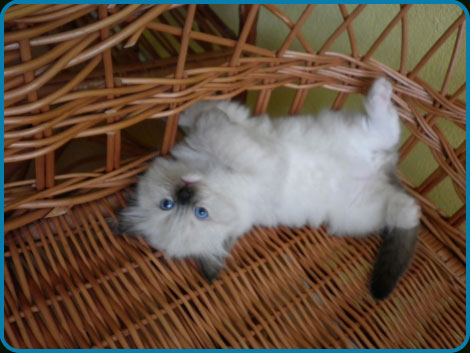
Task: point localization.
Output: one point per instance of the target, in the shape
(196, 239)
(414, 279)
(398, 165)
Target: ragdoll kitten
(233, 171)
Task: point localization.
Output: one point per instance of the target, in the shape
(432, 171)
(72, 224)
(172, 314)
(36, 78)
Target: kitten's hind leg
(379, 97)
(398, 245)
(388, 209)
(383, 119)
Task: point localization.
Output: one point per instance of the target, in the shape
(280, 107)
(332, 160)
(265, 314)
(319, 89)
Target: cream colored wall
(426, 24)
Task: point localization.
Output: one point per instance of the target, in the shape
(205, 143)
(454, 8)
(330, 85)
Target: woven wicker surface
(77, 75)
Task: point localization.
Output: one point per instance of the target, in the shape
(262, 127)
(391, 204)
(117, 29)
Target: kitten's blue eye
(166, 204)
(201, 212)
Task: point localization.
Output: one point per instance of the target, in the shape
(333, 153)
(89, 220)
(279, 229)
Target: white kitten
(233, 171)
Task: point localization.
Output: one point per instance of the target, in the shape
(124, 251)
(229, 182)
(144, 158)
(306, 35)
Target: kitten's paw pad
(380, 92)
(403, 212)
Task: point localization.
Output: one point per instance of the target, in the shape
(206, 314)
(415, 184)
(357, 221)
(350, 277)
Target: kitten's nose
(184, 195)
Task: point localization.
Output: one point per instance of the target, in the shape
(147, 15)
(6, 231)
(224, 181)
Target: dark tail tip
(382, 288)
(394, 256)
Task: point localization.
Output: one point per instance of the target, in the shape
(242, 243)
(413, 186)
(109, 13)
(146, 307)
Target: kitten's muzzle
(184, 195)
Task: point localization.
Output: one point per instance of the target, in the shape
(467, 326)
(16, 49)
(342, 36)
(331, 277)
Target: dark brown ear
(128, 219)
(211, 266)
(113, 225)
(129, 216)
(229, 243)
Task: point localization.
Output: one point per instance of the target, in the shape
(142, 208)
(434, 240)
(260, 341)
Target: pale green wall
(426, 24)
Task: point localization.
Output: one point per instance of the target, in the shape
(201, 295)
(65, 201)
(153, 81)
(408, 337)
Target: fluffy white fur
(334, 169)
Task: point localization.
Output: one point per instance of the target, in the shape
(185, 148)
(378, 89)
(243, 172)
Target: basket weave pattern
(79, 74)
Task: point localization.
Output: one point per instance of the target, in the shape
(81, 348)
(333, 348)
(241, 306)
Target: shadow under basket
(92, 92)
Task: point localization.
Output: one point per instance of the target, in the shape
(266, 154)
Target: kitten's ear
(123, 222)
(128, 218)
(113, 225)
(229, 243)
(211, 266)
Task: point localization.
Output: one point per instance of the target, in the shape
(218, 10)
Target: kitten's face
(181, 212)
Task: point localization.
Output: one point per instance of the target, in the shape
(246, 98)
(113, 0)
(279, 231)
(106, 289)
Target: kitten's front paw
(380, 94)
(189, 116)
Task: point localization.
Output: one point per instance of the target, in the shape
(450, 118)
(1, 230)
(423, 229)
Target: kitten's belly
(317, 182)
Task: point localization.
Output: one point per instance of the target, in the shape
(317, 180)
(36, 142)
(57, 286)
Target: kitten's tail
(394, 256)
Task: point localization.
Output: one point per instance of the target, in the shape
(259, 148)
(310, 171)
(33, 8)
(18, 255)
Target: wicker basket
(92, 92)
